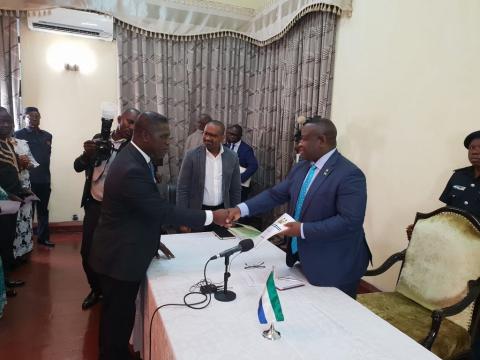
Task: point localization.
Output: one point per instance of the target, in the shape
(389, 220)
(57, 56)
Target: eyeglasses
(260, 265)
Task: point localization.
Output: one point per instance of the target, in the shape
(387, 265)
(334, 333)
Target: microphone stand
(225, 295)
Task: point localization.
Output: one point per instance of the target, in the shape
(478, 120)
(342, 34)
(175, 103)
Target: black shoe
(91, 300)
(47, 243)
(11, 293)
(291, 259)
(14, 283)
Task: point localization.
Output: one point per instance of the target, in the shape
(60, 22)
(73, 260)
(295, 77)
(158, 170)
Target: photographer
(96, 159)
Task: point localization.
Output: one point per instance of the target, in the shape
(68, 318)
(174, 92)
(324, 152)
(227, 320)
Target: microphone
(242, 246)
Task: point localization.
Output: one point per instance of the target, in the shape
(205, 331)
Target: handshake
(226, 217)
(222, 217)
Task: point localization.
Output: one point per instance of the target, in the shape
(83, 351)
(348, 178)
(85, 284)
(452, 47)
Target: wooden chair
(436, 299)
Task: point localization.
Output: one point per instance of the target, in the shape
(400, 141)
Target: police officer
(463, 188)
(40, 143)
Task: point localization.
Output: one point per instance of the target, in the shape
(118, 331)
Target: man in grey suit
(209, 178)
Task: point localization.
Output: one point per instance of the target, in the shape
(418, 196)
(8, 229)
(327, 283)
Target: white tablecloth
(320, 323)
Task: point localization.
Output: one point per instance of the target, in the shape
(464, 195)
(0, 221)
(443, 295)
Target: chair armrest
(400, 256)
(439, 314)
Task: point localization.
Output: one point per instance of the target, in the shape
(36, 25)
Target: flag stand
(271, 333)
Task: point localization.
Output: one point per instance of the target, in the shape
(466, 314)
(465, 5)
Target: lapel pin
(325, 173)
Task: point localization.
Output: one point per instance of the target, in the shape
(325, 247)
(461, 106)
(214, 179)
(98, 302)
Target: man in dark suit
(198, 185)
(246, 156)
(327, 195)
(96, 171)
(40, 144)
(128, 232)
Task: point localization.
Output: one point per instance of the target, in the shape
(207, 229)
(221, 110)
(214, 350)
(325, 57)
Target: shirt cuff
(244, 211)
(301, 231)
(208, 217)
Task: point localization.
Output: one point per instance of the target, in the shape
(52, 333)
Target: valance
(196, 18)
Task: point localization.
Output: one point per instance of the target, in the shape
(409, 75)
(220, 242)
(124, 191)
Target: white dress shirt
(235, 146)
(208, 213)
(213, 189)
(319, 164)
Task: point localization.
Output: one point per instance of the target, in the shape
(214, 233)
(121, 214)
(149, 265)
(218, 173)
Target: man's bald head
(126, 122)
(151, 134)
(319, 136)
(324, 127)
(149, 121)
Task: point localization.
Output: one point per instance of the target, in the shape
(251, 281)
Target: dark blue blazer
(334, 251)
(247, 160)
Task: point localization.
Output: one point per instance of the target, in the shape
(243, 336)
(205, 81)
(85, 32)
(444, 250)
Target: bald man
(327, 196)
(128, 233)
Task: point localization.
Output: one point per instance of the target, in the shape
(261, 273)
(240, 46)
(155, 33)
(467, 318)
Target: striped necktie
(301, 198)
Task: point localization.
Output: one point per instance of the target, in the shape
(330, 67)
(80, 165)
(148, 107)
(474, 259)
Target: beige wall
(406, 92)
(69, 103)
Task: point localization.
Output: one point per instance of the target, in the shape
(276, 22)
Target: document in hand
(277, 227)
(243, 231)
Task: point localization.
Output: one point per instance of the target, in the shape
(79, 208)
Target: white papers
(288, 282)
(277, 227)
(284, 278)
(8, 207)
(246, 183)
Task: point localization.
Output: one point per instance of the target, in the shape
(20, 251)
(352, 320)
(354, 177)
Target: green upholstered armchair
(436, 299)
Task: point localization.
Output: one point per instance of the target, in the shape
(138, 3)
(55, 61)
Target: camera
(104, 145)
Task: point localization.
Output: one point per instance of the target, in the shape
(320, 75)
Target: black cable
(207, 299)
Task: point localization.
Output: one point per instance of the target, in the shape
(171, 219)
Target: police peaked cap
(474, 135)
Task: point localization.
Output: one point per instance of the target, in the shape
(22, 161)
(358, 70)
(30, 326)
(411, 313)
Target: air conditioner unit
(74, 22)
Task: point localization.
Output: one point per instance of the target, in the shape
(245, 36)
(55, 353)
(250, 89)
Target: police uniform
(463, 191)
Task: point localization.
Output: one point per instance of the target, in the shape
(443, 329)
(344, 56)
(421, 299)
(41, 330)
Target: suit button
(465, 202)
(472, 185)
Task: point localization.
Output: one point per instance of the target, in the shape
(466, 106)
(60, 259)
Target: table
(320, 323)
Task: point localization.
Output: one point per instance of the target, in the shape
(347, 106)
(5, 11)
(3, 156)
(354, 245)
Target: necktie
(152, 170)
(300, 200)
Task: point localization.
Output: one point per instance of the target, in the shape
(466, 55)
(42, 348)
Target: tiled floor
(45, 320)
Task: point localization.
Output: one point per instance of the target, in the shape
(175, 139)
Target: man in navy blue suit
(248, 161)
(327, 196)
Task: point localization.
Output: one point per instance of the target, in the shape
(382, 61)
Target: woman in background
(23, 242)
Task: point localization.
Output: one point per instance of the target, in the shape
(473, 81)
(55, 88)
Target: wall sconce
(71, 67)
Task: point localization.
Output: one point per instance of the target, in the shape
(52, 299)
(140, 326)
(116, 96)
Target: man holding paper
(327, 196)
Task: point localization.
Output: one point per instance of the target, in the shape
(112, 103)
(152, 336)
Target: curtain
(263, 89)
(262, 20)
(10, 66)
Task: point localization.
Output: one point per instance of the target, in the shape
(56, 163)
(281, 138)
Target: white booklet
(277, 227)
(287, 282)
